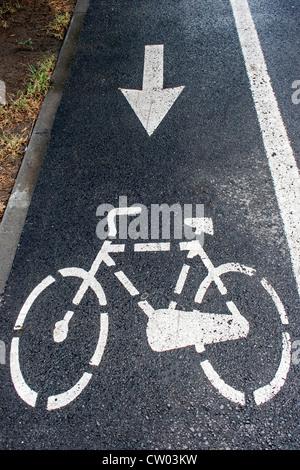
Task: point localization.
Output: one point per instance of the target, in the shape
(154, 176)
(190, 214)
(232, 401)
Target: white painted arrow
(152, 103)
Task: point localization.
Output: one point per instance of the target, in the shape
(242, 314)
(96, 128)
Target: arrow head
(151, 106)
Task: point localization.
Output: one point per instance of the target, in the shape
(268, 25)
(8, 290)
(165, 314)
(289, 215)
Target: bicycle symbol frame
(167, 328)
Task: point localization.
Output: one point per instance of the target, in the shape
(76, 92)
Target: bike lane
(206, 152)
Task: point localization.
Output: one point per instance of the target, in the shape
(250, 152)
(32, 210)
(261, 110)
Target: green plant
(58, 27)
(28, 43)
(25, 107)
(8, 8)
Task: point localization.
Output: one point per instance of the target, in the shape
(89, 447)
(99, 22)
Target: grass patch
(24, 109)
(27, 44)
(29, 27)
(58, 27)
(8, 8)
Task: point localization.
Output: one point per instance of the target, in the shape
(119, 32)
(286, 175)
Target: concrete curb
(2, 92)
(16, 211)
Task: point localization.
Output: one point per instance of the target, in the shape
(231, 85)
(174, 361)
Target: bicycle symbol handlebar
(201, 224)
(111, 217)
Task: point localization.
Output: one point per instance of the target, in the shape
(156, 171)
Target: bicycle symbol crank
(168, 328)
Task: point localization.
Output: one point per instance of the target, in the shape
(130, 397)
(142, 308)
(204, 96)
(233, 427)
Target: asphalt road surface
(143, 343)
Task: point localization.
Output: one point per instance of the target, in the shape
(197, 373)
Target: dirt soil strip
(23, 185)
(30, 32)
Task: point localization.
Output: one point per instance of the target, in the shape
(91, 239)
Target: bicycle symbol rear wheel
(55, 401)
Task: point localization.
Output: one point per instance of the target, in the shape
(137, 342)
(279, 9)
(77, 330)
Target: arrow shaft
(152, 103)
(153, 67)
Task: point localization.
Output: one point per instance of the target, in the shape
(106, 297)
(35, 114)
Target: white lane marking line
(57, 401)
(152, 246)
(278, 149)
(152, 103)
(126, 283)
(181, 279)
(95, 361)
(23, 390)
(226, 390)
(263, 394)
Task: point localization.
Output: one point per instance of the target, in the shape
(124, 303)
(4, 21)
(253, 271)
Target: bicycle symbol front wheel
(25, 391)
(266, 391)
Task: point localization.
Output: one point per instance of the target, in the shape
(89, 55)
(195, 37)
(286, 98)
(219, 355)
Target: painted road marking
(119, 211)
(181, 279)
(194, 248)
(226, 390)
(278, 149)
(31, 298)
(262, 394)
(273, 294)
(152, 103)
(167, 328)
(89, 277)
(24, 391)
(61, 328)
(95, 361)
(266, 393)
(62, 399)
(147, 308)
(126, 283)
(152, 246)
(171, 328)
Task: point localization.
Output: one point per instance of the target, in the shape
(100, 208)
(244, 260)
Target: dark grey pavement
(208, 151)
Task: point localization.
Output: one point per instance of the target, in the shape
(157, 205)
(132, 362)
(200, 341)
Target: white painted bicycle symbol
(168, 328)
